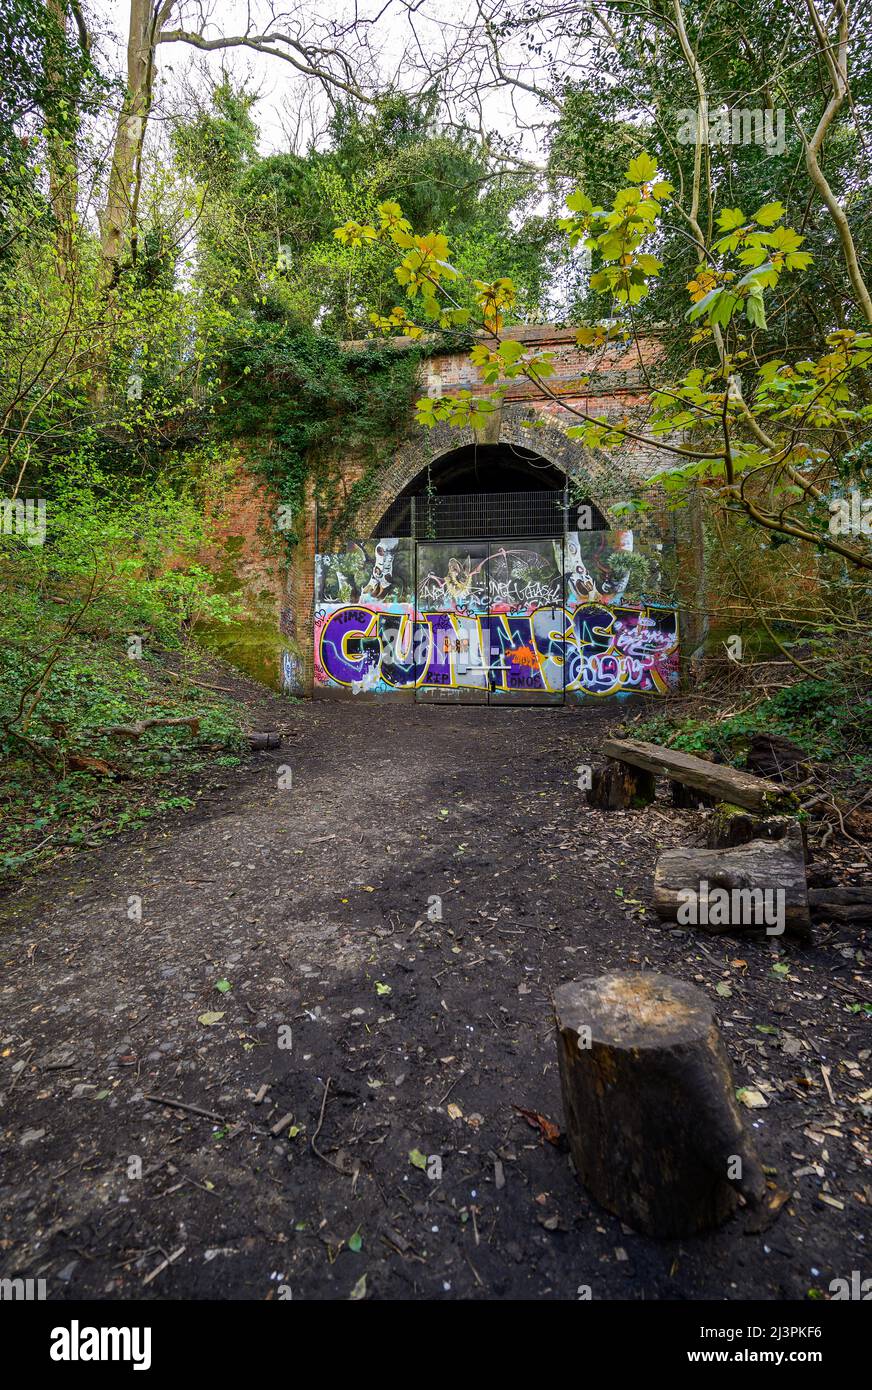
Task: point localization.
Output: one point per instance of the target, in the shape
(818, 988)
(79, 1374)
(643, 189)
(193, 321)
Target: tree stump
(618, 786)
(653, 1125)
(754, 887)
(730, 826)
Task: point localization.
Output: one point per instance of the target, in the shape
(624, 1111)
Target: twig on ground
(312, 1144)
(194, 1109)
(164, 1264)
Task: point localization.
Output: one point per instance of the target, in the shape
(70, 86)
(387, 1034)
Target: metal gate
(490, 618)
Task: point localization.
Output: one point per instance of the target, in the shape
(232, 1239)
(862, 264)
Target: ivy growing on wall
(304, 404)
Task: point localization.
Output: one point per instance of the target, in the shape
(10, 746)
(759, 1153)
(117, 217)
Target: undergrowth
(829, 719)
(45, 809)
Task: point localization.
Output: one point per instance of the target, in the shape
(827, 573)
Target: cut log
(650, 1110)
(760, 886)
(258, 741)
(618, 786)
(730, 826)
(722, 783)
(841, 904)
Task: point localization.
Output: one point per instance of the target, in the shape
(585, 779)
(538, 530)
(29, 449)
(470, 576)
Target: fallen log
(714, 779)
(759, 886)
(649, 1105)
(259, 741)
(841, 904)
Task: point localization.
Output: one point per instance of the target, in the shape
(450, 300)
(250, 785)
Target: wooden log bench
(628, 778)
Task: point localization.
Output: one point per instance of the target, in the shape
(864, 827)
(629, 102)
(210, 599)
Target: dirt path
(311, 902)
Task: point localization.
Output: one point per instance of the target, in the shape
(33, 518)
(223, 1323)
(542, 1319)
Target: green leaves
(730, 218)
(355, 234)
(755, 312)
(764, 274)
(769, 214)
(767, 253)
(618, 235)
(425, 411)
(703, 305)
(598, 434)
(460, 410)
(579, 202)
(641, 169)
(511, 351)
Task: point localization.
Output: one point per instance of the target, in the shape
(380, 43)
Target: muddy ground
(310, 902)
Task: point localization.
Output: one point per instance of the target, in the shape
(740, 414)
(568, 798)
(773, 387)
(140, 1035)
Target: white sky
(281, 89)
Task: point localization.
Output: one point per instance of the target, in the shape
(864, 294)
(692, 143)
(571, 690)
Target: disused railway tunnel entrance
(520, 594)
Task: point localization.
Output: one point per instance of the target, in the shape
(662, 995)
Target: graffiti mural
(374, 572)
(476, 577)
(607, 567)
(525, 618)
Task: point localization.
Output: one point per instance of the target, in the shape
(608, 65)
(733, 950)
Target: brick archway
(614, 383)
(426, 446)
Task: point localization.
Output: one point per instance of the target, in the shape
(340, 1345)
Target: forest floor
(326, 1040)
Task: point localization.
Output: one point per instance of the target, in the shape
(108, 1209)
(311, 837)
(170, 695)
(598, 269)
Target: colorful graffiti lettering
(590, 650)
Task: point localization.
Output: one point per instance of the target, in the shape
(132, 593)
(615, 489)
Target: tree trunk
(118, 219)
(759, 886)
(63, 176)
(653, 1125)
